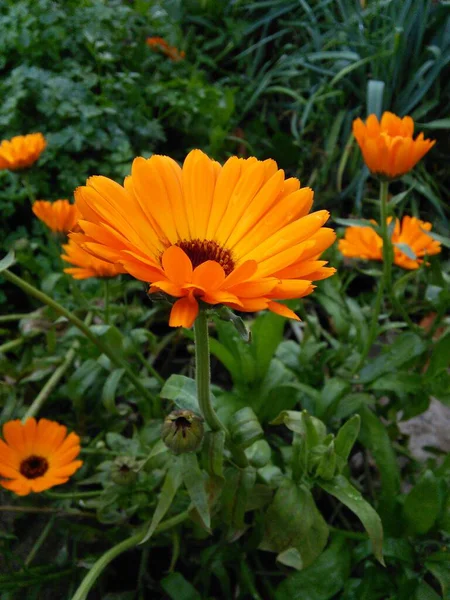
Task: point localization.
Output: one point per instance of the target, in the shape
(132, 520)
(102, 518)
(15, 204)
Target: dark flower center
(182, 424)
(33, 466)
(199, 251)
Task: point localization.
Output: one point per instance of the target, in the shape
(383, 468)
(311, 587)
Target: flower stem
(202, 378)
(55, 378)
(104, 348)
(112, 553)
(385, 281)
(27, 186)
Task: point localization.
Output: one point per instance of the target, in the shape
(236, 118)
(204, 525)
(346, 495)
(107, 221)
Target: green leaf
(7, 261)
(423, 504)
(236, 491)
(178, 588)
(245, 428)
(439, 565)
(405, 348)
(267, 334)
(195, 484)
(375, 91)
(330, 395)
(172, 482)
(355, 223)
(182, 391)
(440, 358)
(323, 579)
(347, 436)
(294, 528)
(213, 449)
(406, 249)
(110, 336)
(340, 488)
(110, 389)
(302, 423)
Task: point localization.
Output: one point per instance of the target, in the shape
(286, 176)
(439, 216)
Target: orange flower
(238, 235)
(21, 151)
(387, 146)
(59, 216)
(158, 43)
(87, 265)
(36, 456)
(365, 243)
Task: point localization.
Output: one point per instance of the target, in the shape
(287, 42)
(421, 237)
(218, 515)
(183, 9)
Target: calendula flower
(158, 43)
(21, 151)
(238, 235)
(388, 147)
(87, 265)
(408, 237)
(60, 216)
(37, 455)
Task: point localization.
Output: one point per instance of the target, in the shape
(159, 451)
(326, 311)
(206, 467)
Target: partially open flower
(388, 147)
(37, 455)
(87, 265)
(21, 151)
(409, 239)
(158, 43)
(60, 216)
(238, 235)
(182, 431)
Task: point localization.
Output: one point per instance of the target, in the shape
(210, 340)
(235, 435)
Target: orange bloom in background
(158, 43)
(60, 216)
(387, 146)
(365, 243)
(37, 455)
(87, 265)
(21, 151)
(238, 234)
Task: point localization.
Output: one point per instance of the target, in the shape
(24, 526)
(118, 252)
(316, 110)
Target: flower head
(158, 43)
(87, 265)
(409, 236)
(21, 151)
(37, 455)
(60, 216)
(182, 431)
(387, 146)
(238, 235)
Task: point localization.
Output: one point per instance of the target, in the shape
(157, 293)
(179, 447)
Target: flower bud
(182, 431)
(124, 470)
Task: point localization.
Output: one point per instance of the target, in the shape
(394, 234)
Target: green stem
(27, 186)
(106, 310)
(41, 539)
(73, 495)
(351, 535)
(114, 358)
(115, 551)
(203, 373)
(202, 378)
(11, 345)
(16, 317)
(385, 281)
(55, 378)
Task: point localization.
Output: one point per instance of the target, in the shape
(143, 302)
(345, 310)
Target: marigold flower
(158, 43)
(87, 265)
(21, 151)
(60, 216)
(365, 243)
(387, 146)
(238, 235)
(37, 455)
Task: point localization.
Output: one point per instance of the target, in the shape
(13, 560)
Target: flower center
(199, 251)
(33, 466)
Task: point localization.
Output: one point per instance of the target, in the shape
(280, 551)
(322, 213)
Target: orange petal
(184, 312)
(177, 265)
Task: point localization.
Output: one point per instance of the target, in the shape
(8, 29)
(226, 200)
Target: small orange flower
(21, 151)
(87, 265)
(37, 455)
(158, 43)
(388, 147)
(60, 216)
(238, 235)
(365, 243)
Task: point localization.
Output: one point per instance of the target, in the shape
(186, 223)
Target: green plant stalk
(45, 392)
(203, 378)
(7, 346)
(73, 495)
(112, 553)
(27, 186)
(41, 539)
(30, 289)
(387, 269)
(16, 317)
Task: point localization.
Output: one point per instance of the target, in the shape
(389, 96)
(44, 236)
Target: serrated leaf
(340, 488)
(172, 482)
(195, 484)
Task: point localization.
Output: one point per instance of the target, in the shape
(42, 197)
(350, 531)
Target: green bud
(124, 470)
(259, 454)
(182, 431)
